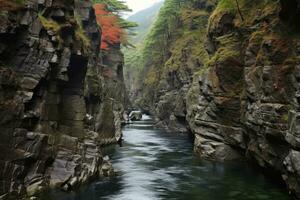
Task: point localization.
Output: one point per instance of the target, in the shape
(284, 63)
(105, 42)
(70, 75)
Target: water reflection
(155, 165)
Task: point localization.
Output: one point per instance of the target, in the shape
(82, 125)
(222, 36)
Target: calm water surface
(155, 165)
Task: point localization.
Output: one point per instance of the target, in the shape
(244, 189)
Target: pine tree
(108, 14)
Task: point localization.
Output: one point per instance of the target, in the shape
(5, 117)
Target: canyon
(226, 72)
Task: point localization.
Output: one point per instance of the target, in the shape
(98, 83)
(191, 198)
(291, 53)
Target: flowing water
(154, 165)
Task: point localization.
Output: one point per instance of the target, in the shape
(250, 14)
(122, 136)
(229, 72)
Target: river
(155, 165)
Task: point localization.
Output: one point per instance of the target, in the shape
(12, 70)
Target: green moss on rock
(229, 50)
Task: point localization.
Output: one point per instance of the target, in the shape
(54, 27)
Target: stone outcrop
(246, 103)
(60, 97)
(236, 86)
(169, 78)
(106, 97)
(135, 115)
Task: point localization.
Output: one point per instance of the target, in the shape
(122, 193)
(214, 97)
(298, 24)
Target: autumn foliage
(111, 30)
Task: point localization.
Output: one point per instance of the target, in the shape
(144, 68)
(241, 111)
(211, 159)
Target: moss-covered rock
(243, 97)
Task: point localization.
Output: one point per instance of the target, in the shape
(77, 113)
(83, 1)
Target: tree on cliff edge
(108, 14)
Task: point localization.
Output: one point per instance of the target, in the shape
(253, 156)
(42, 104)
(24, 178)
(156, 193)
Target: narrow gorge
(220, 80)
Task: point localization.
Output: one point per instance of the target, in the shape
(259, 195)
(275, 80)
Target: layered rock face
(231, 78)
(169, 72)
(112, 99)
(247, 102)
(57, 104)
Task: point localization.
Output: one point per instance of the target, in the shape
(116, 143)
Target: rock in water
(135, 115)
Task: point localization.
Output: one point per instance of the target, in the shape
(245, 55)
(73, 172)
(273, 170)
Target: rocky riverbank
(231, 77)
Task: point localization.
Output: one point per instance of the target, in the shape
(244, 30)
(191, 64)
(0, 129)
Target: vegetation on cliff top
(176, 42)
(175, 45)
(112, 24)
(133, 56)
(80, 34)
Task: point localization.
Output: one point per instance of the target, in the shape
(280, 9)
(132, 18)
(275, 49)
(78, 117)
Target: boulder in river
(135, 115)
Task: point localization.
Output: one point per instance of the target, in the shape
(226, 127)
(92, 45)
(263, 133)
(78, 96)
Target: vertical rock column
(47, 50)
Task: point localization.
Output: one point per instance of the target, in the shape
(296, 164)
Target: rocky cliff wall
(246, 102)
(175, 52)
(236, 85)
(57, 103)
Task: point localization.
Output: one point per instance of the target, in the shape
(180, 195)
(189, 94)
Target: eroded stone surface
(50, 81)
(240, 95)
(247, 103)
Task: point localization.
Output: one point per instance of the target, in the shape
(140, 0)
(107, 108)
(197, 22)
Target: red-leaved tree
(111, 30)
